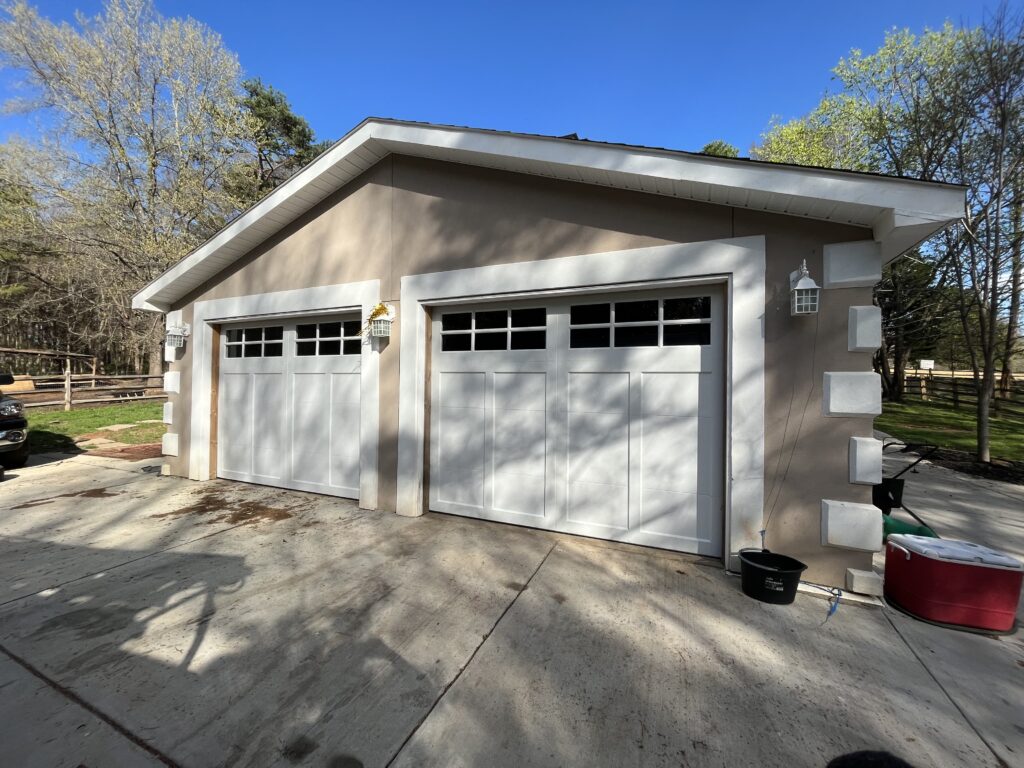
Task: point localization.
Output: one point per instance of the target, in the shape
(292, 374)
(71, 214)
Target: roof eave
(902, 208)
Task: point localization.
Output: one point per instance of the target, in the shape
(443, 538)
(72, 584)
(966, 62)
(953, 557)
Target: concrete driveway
(147, 620)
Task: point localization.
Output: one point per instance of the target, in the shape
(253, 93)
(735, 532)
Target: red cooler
(952, 582)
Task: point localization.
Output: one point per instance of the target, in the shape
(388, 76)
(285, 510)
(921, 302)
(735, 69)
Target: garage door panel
(599, 447)
(268, 425)
(345, 414)
(594, 509)
(598, 392)
(671, 394)
(616, 442)
(670, 453)
(520, 391)
(463, 390)
(289, 404)
(679, 519)
(311, 427)
(235, 413)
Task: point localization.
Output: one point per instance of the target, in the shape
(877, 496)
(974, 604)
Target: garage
(289, 404)
(594, 414)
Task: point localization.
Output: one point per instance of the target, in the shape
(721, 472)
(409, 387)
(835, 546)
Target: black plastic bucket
(769, 577)
(888, 495)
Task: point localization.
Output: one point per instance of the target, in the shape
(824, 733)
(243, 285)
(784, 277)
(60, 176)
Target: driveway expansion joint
(73, 697)
(949, 696)
(522, 588)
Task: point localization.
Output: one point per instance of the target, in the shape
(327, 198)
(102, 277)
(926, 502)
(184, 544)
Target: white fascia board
(814, 183)
(275, 200)
(342, 162)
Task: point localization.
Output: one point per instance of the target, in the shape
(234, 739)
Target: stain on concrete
(558, 597)
(227, 511)
(514, 585)
(91, 493)
(298, 749)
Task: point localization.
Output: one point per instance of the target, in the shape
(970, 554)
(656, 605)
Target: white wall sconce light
(804, 292)
(176, 335)
(378, 323)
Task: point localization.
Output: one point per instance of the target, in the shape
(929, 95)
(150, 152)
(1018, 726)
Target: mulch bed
(961, 461)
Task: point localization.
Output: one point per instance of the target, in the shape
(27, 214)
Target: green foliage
(282, 142)
(946, 105)
(720, 148)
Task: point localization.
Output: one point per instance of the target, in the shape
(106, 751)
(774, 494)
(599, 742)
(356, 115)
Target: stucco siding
(410, 216)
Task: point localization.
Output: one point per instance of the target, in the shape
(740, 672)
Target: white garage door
(600, 415)
(288, 410)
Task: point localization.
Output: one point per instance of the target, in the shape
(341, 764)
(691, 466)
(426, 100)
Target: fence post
(67, 384)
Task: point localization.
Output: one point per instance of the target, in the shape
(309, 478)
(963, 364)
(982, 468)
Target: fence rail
(959, 391)
(86, 389)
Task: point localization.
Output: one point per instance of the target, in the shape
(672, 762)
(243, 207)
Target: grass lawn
(940, 424)
(55, 430)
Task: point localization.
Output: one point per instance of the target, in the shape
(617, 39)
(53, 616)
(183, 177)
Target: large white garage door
(600, 415)
(288, 404)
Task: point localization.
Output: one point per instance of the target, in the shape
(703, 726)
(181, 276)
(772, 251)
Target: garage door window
(254, 342)
(494, 330)
(333, 338)
(643, 323)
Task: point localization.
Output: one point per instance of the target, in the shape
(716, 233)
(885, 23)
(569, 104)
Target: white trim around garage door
(739, 263)
(324, 299)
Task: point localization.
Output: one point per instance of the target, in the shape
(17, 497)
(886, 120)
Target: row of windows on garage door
(600, 416)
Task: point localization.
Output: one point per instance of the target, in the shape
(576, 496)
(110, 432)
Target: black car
(13, 429)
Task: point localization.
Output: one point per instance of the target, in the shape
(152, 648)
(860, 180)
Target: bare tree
(142, 125)
(990, 154)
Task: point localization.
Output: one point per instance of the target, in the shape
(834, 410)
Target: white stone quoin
(850, 525)
(168, 413)
(172, 382)
(852, 393)
(865, 329)
(169, 444)
(852, 265)
(864, 582)
(865, 460)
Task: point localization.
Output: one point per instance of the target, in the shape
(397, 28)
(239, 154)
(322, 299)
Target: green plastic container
(891, 525)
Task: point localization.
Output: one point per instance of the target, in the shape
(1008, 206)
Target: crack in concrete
(464, 667)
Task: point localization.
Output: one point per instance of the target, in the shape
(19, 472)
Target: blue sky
(673, 74)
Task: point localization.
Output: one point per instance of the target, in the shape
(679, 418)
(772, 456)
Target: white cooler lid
(955, 551)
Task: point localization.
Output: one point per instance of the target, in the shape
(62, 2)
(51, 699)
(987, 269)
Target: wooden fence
(69, 390)
(958, 391)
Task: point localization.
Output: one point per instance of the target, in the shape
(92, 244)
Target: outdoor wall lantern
(176, 335)
(380, 319)
(803, 291)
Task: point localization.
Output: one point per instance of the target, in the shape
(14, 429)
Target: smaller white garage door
(288, 404)
(600, 415)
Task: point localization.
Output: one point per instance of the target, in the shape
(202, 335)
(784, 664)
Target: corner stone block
(169, 444)
(853, 393)
(864, 582)
(865, 329)
(865, 461)
(172, 382)
(852, 265)
(168, 413)
(849, 525)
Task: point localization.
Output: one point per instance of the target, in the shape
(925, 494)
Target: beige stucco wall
(408, 216)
